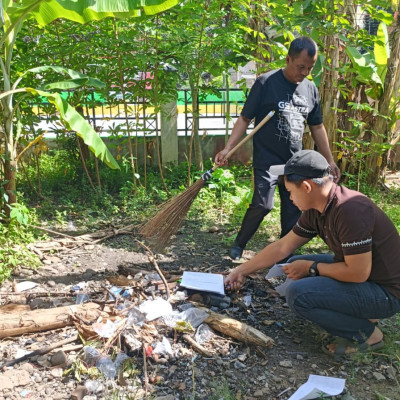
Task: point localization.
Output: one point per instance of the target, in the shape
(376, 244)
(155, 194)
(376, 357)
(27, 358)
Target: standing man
(295, 101)
(344, 292)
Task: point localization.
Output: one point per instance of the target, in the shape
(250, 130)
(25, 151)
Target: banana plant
(371, 67)
(13, 13)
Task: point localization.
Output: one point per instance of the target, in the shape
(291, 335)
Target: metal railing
(214, 114)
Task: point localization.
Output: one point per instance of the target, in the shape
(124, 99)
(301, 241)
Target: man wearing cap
(346, 291)
(295, 100)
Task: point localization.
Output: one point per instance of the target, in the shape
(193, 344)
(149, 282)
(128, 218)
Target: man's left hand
(297, 269)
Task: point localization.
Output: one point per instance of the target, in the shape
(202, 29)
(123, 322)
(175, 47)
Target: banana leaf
(77, 123)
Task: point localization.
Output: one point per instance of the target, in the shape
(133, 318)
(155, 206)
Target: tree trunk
(195, 127)
(380, 126)
(329, 92)
(10, 162)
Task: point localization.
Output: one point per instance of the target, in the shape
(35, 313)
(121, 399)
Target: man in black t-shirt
(295, 102)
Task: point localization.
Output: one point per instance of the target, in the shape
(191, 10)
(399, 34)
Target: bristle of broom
(171, 216)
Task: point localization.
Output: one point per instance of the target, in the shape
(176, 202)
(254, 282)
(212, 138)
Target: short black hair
(303, 43)
(297, 179)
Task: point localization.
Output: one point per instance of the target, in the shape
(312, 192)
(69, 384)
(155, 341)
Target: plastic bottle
(90, 355)
(94, 386)
(106, 366)
(81, 298)
(119, 360)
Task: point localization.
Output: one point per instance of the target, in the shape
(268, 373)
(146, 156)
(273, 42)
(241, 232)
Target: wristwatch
(313, 271)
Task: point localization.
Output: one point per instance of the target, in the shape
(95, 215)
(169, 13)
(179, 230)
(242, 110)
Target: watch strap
(314, 268)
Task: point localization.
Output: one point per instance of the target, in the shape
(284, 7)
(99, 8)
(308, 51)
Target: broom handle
(250, 135)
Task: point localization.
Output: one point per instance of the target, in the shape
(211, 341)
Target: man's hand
(297, 269)
(335, 171)
(235, 280)
(220, 157)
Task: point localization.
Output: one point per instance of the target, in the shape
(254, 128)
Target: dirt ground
(249, 373)
(268, 374)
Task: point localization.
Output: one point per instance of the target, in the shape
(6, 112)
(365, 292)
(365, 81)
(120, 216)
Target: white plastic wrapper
(155, 308)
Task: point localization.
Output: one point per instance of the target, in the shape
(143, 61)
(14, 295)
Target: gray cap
(307, 163)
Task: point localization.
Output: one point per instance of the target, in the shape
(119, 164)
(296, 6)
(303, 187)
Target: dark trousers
(262, 203)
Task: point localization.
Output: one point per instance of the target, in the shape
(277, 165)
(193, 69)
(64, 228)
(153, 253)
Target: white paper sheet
(276, 271)
(204, 282)
(317, 385)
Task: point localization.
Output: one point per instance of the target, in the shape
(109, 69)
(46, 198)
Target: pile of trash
(127, 325)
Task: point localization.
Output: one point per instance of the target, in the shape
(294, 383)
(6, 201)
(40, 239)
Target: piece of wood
(199, 348)
(12, 308)
(236, 329)
(45, 319)
(157, 268)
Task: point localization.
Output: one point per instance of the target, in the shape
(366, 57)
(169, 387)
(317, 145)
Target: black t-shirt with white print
(294, 106)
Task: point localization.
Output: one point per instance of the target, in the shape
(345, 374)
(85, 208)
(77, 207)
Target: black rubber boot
(235, 252)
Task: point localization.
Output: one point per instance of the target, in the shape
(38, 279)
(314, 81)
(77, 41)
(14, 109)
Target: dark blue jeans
(341, 308)
(262, 203)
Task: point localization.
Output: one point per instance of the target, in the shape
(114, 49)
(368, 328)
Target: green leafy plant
(12, 17)
(14, 239)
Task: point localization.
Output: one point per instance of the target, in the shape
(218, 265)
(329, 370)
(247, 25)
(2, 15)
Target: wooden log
(236, 329)
(45, 319)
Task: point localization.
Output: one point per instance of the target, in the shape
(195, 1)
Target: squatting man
(347, 291)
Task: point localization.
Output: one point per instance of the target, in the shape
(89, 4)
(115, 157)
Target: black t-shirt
(294, 105)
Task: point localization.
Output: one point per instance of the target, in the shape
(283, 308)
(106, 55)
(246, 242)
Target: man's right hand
(220, 157)
(235, 280)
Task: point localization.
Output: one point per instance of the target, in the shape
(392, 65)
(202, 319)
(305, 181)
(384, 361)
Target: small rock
(239, 365)
(27, 367)
(70, 384)
(378, 376)
(88, 273)
(276, 379)
(56, 372)
(43, 361)
(49, 391)
(391, 373)
(213, 229)
(59, 358)
(51, 283)
(79, 393)
(286, 364)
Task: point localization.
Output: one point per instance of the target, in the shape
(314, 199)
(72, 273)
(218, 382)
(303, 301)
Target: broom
(170, 218)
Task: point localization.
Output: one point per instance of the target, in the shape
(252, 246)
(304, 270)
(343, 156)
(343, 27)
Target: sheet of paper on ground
(204, 282)
(318, 386)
